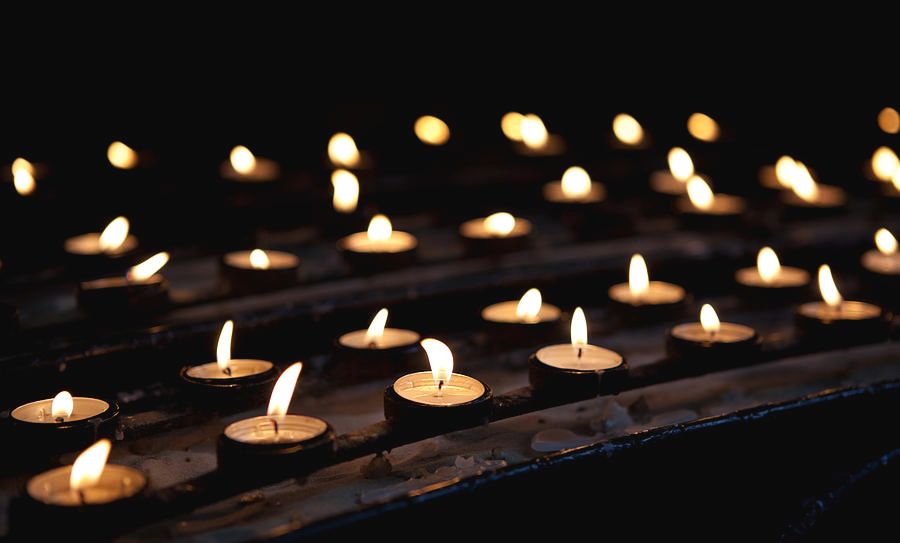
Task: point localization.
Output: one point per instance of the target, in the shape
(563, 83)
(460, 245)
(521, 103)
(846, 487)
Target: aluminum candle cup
(770, 282)
(829, 201)
(119, 297)
(377, 352)
(527, 321)
(258, 270)
(495, 234)
(580, 203)
(643, 301)
(89, 420)
(244, 167)
(709, 346)
(380, 248)
(85, 253)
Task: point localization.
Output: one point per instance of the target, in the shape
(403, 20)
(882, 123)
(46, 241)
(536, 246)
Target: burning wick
(709, 320)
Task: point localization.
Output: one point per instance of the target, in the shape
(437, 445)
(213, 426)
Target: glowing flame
(121, 156)
(529, 306)
(786, 171)
(803, 184)
(88, 467)
(700, 194)
(885, 241)
(62, 405)
(223, 347)
(22, 164)
(638, 278)
(342, 150)
(703, 127)
(579, 327)
(709, 320)
(680, 164)
(346, 191)
(534, 133)
(511, 125)
(440, 358)
(431, 131)
(829, 290)
(499, 224)
(376, 329)
(23, 176)
(284, 390)
(148, 268)
(242, 160)
(380, 228)
(884, 163)
(114, 235)
(895, 180)
(259, 260)
(627, 129)
(889, 120)
(576, 183)
(768, 265)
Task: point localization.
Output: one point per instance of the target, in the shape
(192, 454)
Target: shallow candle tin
(117, 297)
(239, 452)
(229, 392)
(567, 382)
(51, 437)
(855, 322)
(733, 345)
(239, 276)
(404, 412)
(354, 362)
(479, 242)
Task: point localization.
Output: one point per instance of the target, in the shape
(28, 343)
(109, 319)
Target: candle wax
(264, 170)
(89, 244)
(397, 243)
(392, 337)
(878, 262)
(829, 196)
(728, 333)
(553, 192)
(658, 292)
(239, 368)
(506, 312)
(262, 430)
(421, 388)
(118, 282)
(41, 411)
(116, 482)
(278, 260)
(722, 204)
(566, 357)
(848, 310)
(475, 229)
(788, 277)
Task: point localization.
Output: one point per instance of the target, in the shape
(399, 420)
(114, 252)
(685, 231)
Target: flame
(23, 176)
(638, 278)
(431, 131)
(680, 164)
(376, 329)
(346, 191)
(534, 133)
(148, 268)
(895, 180)
(88, 467)
(803, 184)
(709, 320)
(829, 290)
(579, 327)
(885, 241)
(576, 183)
(284, 390)
(440, 358)
(703, 127)
(22, 164)
(884, 163)
(62, 405)
(511, 125)
(700, 194)
(768, 265)
(259, 260)
(121, 156)
(223, 347)
(529, 306)
(342, 150)
(627, 129)
(889, 120)
(499, 224)
(786, 171)
(380, 228)
(114, 235)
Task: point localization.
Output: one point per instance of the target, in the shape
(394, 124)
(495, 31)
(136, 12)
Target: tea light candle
(781, 175)
(258, 270)
(642, 300)
(712, 342)
(524, 322)
(836, 321)
(377, 351)
(627, 133)
(140, 291)
(770, 280)
(674, 181)
(63, 422)
(24, 176)
(379, 248)
(496, 233)
(343, 153)
(810, 199)
(578, 369)
(575, 187)
(439, 399)
(122, 157)
(278, 441)
(883, 164)
(882, 268)
(245, 167)
(530, 136)
(704, 209)
(94, 249)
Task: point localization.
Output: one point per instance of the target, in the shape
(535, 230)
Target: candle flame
(885, 241)
(700, 194)
(223, 347)
(242, 160)
(22, 164)
(342, 150)
(499, 224)
(23, 176)
(576, 183)
(709, 320)
(889, 120)
(88, 467)
(346, 191)
(884, 163)
(680, 164)
(768, 265)
(440, 358)
(380, 228)
(578, 329)
(511, 125)
(62, 405)
(121, 156)
(376, 329)
(803, 184)
(114, 235)
(638, 278)
(284, 390)
(148, 268)
(703, 127)
(786, 171)
(829, 290)
(627, 129)
(534, 133)
(259, 260)
(431, 131)
(529, 306)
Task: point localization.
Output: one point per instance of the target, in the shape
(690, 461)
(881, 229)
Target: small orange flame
(346, 191)
(534, 133)
(511, 125)
(889, 120)
(786, 171)
(431, 131)
(627, 129)
(885, 241)
(700, 194)
(638, 277)
(342, 151)
(242, 160)
(680, 164)
(884, 163)
(703, 127)
(768, 265)
(576, 183)
(148, 268)
(803, 184)
(88, 467)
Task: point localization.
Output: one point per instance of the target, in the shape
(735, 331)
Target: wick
(81, 496)
(373, 344)
(227, 371)
(440, 390)
(580, 349)
(60, 419)
(275, 424)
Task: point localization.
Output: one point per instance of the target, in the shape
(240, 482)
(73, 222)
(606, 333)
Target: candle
(431, 130)
(496, 233)
(574, 187)
(24, 176)
(95, 249)
(343, 153)
(530, 136)
(837, 321)
(769, 280)
(642, 300)
(121, 156)
(439, 399)
(63, 423)
(521, 322)
(711, 344)
(577, 369)
(628, 133)
(379, 248)
(140, 291)
(703, 127)
(258, 270)
(674, 181)
(882, 269)
(882, 165)
(245, 167)
(580, 202)
(810, 199)
(780, 175)
(377, 351)
(702, 208)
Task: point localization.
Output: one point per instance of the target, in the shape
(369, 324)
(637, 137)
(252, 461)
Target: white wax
(89, 244)
(116, 483)
(392, 337)
(397, 243)
(592, 358)
(271, 430)
(239, 368)
(278, 260)
(265, 170)
(848, 310)
(506, 312)
(788, 277)
(879, 262)
(658, 292)
(41, 411)
(553, 192)
(828, 196)
(729, 332)
(420, 388)
(475, 229)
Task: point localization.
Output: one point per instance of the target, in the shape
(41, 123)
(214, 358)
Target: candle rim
(547, 313)
(838, 194)
(613, 293)
(302, 420)
(235, 259)
(362, 332)
(617, 356)
(49, 401)
(752, 272)
(553, 192)
(120, 281)
(38, 482)
(228, 378)
(722, 205)
(474, 229)
(404, 237)
(266, 170)
(453, 382)
(71, 245)
(811, 310)
(717, 337)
